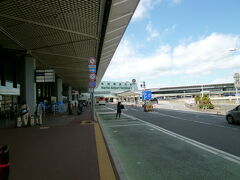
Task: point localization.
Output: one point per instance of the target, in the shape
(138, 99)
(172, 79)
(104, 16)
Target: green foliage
(197, 99)
(205, 102)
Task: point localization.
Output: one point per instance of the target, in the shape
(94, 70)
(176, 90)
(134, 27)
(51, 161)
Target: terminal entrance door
(9, 110)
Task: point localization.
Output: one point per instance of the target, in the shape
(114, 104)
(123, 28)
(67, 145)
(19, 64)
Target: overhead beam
(60, 44)
(121, 17)
(117, 29)
(54, 54)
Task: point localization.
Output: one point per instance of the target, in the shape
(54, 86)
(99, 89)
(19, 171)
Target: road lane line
(134, 109)
(205, 147)
(194, 121)
(203, 122)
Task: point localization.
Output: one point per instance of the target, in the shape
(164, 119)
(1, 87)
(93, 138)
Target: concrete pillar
(70, 93)
(27, 83)
(59, 90)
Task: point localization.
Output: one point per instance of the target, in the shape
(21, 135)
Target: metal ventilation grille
(8, 43)
(61, 34)
(76, 15)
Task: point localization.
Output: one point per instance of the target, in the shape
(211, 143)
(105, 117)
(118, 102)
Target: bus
(100, 100)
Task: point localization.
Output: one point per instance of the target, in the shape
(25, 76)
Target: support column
(70, 93)
(28, 85)
(59, 90)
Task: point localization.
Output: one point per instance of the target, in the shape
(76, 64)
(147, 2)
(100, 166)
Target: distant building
(221, 89)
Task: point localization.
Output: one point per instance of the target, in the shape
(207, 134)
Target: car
(233, 116)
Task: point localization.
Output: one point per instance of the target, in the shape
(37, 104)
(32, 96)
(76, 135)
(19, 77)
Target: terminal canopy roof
(63, 34)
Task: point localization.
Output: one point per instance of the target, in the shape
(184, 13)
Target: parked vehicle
(233, 116)
(100, 101)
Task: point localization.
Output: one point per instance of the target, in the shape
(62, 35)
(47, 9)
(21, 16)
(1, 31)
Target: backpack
(122, 106)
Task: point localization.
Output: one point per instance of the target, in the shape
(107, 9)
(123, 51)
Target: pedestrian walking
(119, 110)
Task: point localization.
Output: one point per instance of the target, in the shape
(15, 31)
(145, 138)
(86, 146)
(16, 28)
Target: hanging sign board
(46, 75)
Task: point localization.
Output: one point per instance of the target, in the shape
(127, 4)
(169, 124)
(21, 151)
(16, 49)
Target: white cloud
(192, 59)
(176, 1)
(143, 7)
(228, 79)
(152, 32)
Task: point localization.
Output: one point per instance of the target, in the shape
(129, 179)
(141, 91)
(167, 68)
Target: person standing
(119, 110)
(69, 108)
(80, 107)
(24, 114)
(39, 113)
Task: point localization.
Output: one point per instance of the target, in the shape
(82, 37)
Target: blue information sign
(92, 70)
(92, 84)
(146, 95)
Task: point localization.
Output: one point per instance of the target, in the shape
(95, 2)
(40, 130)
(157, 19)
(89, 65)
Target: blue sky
(179, 42)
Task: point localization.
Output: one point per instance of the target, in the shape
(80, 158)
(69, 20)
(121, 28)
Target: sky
(179, 42)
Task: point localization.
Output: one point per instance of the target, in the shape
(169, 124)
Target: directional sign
(92, 70)
(146, 95)
(92, 76)
(92, 84)
(92, 61)
(91, 66)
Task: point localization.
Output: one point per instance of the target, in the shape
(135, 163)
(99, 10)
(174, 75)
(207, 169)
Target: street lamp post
(236, 78)
(236, 84)
(143, 86)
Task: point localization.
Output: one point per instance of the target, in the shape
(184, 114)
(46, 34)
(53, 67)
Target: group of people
(25, 116)
(78, 106)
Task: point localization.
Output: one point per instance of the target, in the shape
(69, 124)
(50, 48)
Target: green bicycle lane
(140, 151)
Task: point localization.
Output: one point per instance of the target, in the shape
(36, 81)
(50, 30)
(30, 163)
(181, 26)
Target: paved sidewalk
(63, 149)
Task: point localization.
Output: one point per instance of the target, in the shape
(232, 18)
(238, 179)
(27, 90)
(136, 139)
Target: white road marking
(134, 109)
(121, 120)
(205, 147)
(202, 122)
(125, 125)
(110, 108)
(106, 112)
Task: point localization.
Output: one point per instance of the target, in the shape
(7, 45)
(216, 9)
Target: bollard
(4, 162)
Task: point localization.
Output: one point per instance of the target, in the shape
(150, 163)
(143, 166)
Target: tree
(205, 102)
(197, 99)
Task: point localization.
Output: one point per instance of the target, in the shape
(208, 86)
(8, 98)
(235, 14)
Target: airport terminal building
(221, 89)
